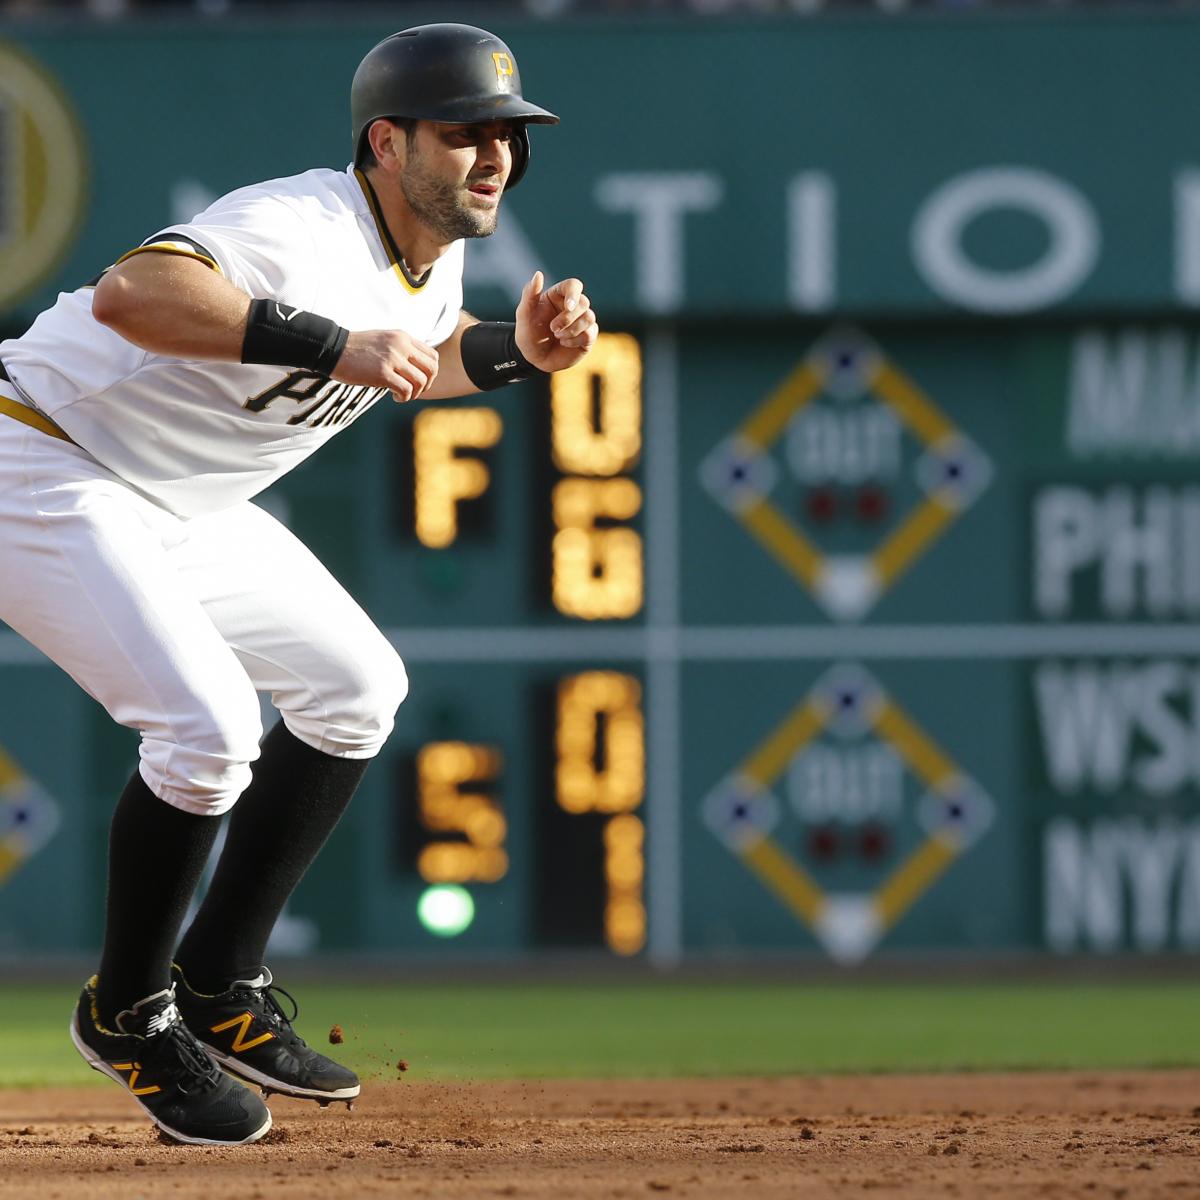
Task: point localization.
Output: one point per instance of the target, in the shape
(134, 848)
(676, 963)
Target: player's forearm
(491, 360)
(452, 379)
(172, 305)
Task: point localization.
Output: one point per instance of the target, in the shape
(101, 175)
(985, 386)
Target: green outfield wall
(848, 604)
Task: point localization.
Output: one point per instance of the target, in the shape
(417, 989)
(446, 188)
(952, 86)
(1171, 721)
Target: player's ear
(389, 144)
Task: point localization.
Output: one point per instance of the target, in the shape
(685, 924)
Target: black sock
(280, 823)
(156, 855)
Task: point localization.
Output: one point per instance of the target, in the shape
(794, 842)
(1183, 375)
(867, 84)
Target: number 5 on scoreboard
(454, 785)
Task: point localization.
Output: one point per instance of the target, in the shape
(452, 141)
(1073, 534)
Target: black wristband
(490, 355)
(280, 335)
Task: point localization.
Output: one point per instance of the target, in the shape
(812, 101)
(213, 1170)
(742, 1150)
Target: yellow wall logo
(43, 174)
(504, 66)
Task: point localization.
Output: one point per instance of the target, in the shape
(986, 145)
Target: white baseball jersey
(195, 436)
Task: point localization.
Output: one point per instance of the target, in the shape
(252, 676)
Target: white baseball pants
(173, 625)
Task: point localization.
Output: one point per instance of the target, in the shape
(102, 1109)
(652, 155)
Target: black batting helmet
(456, 74)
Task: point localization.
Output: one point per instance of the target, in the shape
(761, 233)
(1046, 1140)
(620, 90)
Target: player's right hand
(388, 358)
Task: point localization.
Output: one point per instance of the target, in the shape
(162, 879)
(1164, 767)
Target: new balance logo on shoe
(240, 1044)
(134, 1070)
(151, 1015)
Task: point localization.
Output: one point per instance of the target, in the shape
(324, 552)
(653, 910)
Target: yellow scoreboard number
(455, 782)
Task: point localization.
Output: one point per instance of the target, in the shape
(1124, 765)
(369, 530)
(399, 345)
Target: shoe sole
(94, 1061)
(263, 1080)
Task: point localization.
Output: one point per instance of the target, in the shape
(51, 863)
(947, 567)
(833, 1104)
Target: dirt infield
(1133, 1135)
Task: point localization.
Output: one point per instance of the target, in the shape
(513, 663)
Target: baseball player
(138, 417)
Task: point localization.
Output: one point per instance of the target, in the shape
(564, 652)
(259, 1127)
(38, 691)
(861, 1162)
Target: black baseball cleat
(167, 1072)
(246, 1031)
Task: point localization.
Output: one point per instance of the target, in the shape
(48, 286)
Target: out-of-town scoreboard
(830, 638)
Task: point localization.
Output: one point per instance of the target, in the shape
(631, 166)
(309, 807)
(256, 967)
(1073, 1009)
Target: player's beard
(443, 206)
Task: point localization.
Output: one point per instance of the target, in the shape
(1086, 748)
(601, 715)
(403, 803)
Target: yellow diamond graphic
(28, 817)
(951, 473)
(743, 812)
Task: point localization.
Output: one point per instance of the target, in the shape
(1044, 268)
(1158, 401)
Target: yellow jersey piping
(167, 248)
(28, 416)
(385, 235)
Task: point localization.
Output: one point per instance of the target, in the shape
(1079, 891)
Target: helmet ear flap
(362, 152)
(520, 156)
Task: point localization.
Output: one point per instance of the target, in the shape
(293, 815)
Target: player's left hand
(556, 327)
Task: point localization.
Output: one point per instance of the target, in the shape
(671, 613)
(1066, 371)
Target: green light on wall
(446, 909)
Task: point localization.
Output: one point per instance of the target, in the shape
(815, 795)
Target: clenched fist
(555, 327)
(388, 358)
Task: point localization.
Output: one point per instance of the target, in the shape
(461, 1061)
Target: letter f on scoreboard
(443, 480)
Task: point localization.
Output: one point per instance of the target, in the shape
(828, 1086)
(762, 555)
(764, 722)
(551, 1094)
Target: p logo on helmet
(504, 66)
